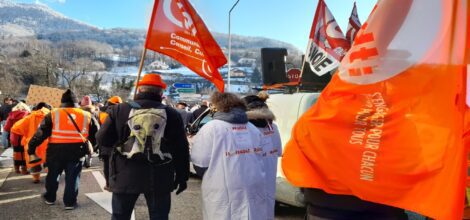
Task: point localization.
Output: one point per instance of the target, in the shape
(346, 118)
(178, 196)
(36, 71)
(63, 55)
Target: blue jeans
(5, 136)
(72, 180)
(158, 205)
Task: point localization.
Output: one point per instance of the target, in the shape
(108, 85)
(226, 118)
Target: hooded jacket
(13, 117)
(263, 118)
(137, 176)
(233, 187)
(26, 128)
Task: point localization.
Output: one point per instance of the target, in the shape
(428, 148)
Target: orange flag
(353, 26)
(388, 128)
(327, 44)
(176, 30)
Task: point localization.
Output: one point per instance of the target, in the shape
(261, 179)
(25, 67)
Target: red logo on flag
(353, 26)
(327, 44)
(176, 30)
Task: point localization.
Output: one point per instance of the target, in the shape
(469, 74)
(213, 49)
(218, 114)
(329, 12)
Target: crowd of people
(144, 147)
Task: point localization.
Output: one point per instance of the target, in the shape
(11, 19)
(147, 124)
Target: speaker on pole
(274, 65)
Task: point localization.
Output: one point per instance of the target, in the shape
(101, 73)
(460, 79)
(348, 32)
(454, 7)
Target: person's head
(86, 101)
(86, 104)
(8, 101)
(181, 105)
(21, 107)
(225, 102)
(205, 103)
(69, 99)
(42, 105)
(151, 84)
(114, 100)
(255, 102)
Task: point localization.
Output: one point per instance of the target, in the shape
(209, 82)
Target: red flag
(388, 128)
(176, 30)
(353, 26)
(327, 45)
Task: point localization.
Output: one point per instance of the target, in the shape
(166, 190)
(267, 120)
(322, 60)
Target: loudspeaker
(274, 65)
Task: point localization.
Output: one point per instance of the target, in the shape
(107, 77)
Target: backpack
(147, 128)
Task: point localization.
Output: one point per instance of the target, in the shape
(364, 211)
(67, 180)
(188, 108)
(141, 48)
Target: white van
(288, 108)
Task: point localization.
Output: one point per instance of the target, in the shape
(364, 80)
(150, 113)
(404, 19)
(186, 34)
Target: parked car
(287, 108)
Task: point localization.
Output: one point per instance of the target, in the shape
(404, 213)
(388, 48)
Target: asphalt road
(20, 199)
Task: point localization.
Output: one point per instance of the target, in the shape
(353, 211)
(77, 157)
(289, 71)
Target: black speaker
(274, 65)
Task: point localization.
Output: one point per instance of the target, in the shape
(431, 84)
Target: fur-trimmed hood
(260, 113)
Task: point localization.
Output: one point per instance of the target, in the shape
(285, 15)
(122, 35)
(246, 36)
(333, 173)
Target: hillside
(21, 19)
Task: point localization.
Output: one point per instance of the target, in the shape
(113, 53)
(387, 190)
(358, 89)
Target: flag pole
(141, 66)
(302, 69)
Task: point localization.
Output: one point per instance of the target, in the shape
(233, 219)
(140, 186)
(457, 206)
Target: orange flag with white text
(388, 128)
(176, 30)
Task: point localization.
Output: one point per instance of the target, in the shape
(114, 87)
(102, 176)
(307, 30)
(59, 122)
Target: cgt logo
(185, 20)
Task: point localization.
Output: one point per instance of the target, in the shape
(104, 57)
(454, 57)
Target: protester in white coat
(227, 152)
(259, 115)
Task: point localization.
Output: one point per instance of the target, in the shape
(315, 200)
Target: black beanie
(69, 97)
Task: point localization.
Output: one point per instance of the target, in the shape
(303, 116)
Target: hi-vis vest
(103, 116)
(63, 130)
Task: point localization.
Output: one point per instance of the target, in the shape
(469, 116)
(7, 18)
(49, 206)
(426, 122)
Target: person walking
(259, 115)
(26, 129)
(227, 153)
(5, 110)
(105, 152)
(150, 153)
(87, 105)
(18, 112)
(67, 129)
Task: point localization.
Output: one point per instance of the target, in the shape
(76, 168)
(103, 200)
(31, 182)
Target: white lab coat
(233, 187)
(272, 146)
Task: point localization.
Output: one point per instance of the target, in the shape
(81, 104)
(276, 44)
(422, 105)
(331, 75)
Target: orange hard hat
(152, 79)
(115, 100)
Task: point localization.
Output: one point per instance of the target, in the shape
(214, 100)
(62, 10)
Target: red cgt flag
(354, 25)
(388, 128)
(176, 30)
(327, 45)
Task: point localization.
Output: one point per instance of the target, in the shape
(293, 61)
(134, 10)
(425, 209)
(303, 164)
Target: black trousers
(158, 205)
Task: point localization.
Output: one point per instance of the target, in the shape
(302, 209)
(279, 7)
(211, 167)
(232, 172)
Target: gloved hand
(180, 186)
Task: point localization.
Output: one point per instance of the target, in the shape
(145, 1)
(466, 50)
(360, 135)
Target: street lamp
(230, 43)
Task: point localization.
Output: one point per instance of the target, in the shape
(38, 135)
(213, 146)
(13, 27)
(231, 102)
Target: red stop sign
(293, 74)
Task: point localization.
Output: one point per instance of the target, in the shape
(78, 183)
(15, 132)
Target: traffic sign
(185, 90)
(183, 85)
(294, 74)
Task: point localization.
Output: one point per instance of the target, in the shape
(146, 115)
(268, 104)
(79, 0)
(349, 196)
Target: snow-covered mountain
(22, 19)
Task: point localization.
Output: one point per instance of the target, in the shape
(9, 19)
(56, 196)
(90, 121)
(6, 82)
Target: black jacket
(330, 206)
(138, 175)
(60, 152)
(5, 110)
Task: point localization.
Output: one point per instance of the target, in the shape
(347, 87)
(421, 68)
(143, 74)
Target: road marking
(6, 159)
(15, 192)
(18, 199)
(104, 198)
(100, 179)
(4, 175)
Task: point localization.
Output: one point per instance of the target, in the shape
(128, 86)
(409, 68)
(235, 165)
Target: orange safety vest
(103, 116)
(63, 129)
